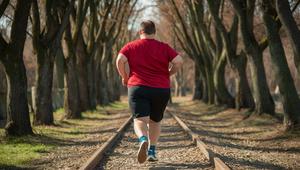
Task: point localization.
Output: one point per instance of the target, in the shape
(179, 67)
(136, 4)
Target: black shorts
(148, 101)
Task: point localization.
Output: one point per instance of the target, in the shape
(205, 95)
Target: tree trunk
(98, 77)
(182, 91)
(210, 85)
(176, 88)
(3, 96)
(205, 97)
(59, 69)
(286, 17)
(43, 113)
(222, 94)
(182, 83)
(92, 83)
(97, 74)
(110, 81)
(109, 72)
(114, 90)
(197, 92)
(18, 121)
(81, 64)
(288, 92)
(243, 98)
(263, 99)
(72, 98)
(116, 85)
(104, 97)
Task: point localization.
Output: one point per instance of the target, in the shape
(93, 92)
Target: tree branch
(80, 15)
(263, 43)
(3, 46)
(122, 20)
(3, 6)
(91, 28)
(36, 26)
(103, 24)
(19, 26)
(236, 6)
(64, 23)
(187, 37)
(11, 19)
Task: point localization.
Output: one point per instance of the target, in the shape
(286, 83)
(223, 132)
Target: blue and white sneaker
(151, 154)
(152, 158)
(142, 153)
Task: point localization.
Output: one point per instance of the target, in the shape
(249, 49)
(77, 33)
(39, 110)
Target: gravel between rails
(175, 150)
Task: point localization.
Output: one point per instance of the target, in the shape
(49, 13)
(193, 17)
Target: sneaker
(152, 158)
(142, 153)
(151, 154)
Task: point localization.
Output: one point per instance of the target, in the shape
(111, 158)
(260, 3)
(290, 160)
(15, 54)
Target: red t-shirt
(148, 61)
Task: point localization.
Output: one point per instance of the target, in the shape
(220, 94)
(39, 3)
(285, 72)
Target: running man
(144, 67)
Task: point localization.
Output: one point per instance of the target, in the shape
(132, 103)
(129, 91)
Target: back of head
(147, 27)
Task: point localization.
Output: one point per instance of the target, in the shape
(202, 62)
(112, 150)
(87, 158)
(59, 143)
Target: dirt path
(72, 153)
(255, 143)
(175, 151)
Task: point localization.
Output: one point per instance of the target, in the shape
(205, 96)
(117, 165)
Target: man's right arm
(176, 64)
(123, 68)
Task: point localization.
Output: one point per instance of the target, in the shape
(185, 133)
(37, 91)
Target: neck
(146, 36)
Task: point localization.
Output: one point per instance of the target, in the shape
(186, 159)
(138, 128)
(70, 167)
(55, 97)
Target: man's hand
(176, 64)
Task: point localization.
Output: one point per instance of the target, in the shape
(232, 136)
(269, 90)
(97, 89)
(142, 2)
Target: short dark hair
(148, 27)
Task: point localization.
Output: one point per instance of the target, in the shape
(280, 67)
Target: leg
(140, 126)
(154, 132)
(159, 102)
(141, 130)
(140, 108)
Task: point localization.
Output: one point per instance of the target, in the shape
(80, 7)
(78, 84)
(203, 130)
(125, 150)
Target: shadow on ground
(254, 142)
(175, 151)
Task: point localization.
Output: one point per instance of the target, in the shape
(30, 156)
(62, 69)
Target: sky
(149, 13)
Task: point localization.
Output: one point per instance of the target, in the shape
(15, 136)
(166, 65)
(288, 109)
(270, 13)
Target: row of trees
(80, 35)
(213, 41)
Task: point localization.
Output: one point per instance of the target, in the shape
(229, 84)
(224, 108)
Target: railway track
(178, 148)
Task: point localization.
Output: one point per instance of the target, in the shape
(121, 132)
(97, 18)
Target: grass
(18, 152)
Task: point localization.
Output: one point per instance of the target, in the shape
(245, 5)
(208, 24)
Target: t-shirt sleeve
(171, 53)
(125, 51)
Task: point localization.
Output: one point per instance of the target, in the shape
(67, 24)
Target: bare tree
(288, 92)
(237, 62)
(263, 99)
(286, 17)
(46, 40)
(18, 122)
